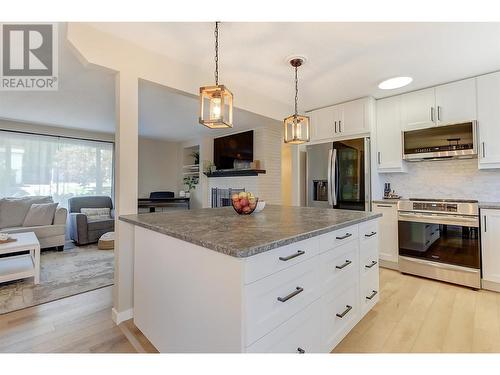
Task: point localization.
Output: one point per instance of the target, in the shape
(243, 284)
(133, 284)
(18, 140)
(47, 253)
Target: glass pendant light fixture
(296, 126)
(216, 102)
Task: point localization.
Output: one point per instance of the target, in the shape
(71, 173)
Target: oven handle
(439, 219)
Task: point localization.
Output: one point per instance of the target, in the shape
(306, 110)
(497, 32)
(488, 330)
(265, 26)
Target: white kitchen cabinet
(322, 124)
(488, 116)
(456, 102)
(490, 246)
(355, 117)
(388, 138)
(388, 231)
(417, 109)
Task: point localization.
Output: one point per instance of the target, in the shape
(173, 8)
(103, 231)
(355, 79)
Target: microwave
(457, 141)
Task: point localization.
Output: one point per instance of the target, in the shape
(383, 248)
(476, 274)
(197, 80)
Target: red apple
(244, 202)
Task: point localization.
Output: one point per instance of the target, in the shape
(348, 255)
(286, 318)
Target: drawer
(262, 265)
(339, 267)
(340, 313)
(337, 238)
(299, 334)
(368, 260)
(272, 300)
(368, 233)
(369, 290)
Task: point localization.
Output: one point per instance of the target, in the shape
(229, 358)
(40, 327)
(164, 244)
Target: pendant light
(216, 102)
(296, 126)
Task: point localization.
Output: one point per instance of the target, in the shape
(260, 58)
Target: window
(61, 167)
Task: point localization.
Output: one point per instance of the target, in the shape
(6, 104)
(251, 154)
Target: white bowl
(260, 206)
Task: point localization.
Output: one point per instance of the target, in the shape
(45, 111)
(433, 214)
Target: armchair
(83, 232)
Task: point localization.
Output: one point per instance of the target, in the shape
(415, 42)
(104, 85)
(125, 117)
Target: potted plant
(190, 182)
(196, 157)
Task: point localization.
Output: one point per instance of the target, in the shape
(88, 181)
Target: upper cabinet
(488, 117)
(456, 102)
(388, 137)
(342, 120)
(417, 109)
(322, 124)
(441, 105)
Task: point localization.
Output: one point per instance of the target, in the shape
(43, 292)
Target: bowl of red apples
(244, 203)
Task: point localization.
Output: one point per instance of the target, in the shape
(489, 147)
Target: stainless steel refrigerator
(338, 175)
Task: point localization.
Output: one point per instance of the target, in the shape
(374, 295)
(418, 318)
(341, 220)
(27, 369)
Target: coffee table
(20, 266)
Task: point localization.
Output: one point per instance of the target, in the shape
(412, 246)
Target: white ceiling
(345, 61)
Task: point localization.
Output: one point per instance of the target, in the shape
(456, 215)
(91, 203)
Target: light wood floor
(421, 315)
(413, 315)
(77, 324)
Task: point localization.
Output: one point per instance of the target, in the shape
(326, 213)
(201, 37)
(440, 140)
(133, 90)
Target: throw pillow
(13, 211)
(96, 214)
(40, 214)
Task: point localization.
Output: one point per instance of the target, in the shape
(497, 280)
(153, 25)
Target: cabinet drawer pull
(335, 127)
(439, 113)
(432, 114)
(348, 308)
(297, 254)
(347, 262)
(344, 236)
(371, 264)
(291, 295)
(374, 293)
(301, 351)
(371, 234)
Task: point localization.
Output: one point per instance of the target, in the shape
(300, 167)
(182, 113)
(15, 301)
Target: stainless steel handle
(344, 236)
(432, 114)
(330, 182)
(439, 113)
(371, 234)
(335, 127)
(384, 205)
(374, 293)
(378, 157)
(484, 152)
(300, 350)
(343, 313)
(297, 254)
(333, 185)
(371, 264)
(347, 262)
(340, 126)
(291, 295)
(438, 219)
(484, 223)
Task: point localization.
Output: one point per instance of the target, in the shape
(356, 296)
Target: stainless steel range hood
(457, 141)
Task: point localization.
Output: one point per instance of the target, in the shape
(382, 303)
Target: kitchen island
(287, 279)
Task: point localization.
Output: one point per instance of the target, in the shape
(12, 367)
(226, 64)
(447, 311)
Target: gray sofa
(83, 232)
(14, 210)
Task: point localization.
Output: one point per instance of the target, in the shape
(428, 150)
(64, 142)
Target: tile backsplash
(446, 179)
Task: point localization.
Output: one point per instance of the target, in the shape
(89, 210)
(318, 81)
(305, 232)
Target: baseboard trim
(490, 285)
(121, 316)
(389, 264)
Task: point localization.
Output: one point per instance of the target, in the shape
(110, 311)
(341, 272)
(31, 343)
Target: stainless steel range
(439, 239)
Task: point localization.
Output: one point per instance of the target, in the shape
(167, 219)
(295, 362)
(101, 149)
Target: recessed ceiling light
(394, 83)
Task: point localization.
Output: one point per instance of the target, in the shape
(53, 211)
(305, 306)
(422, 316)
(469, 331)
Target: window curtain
(56, 166)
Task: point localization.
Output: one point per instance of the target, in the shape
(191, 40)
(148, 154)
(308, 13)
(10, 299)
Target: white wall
(158, 166)
(446, 179)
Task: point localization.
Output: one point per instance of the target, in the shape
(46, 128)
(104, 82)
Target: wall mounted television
(233, 147)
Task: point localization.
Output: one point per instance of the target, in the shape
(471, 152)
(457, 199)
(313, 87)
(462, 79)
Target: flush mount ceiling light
(296, 127)
(394, 83)
(216, 102)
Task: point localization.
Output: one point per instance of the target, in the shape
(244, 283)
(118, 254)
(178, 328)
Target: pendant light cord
(296, 91)
(216, 53)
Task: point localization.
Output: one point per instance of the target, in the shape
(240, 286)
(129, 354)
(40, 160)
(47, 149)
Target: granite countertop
(492, 205)
(222, 230)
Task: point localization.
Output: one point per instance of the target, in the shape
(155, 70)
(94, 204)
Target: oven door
(449, 239)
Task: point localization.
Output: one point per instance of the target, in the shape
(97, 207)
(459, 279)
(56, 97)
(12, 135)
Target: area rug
(73, 271)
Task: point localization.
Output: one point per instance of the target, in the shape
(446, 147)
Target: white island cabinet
(302, 297)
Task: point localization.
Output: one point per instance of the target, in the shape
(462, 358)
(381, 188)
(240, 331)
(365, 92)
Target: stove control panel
(439, 207)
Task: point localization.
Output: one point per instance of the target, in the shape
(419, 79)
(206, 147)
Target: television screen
(233, 147)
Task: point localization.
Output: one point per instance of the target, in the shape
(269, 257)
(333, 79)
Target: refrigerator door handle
(333, 174)
(330, 198)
